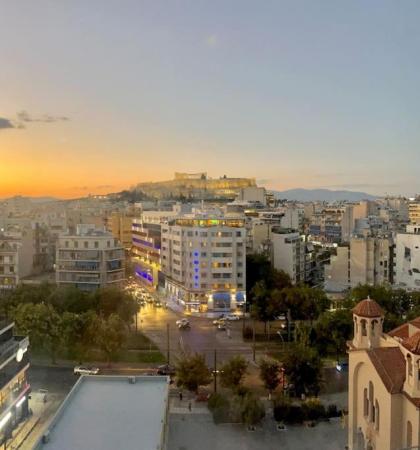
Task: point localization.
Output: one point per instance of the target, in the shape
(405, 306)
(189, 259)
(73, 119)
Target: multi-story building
(364, 260)
(204, 263)
(16, 256)
(414, 212)
(89, 258)
(384, 382)
(120, 225)
(14, 388)
(288, 252)
(332, 224)
(407, 259)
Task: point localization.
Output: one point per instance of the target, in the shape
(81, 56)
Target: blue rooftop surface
(109, 412)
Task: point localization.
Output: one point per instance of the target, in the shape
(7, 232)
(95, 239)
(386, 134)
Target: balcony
(9, 349)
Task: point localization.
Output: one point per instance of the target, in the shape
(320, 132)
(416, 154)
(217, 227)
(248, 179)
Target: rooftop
(108, 412)
(368, 308)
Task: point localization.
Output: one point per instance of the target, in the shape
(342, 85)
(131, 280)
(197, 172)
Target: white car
(183, 323)
(231, 317)
(84, 370)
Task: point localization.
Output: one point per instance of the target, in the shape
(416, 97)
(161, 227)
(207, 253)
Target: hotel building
(204, 262)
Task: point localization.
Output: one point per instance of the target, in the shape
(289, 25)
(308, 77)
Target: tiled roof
(415, 322)
(400, 332)
(389, 363)
(413, 343)
(368, 308)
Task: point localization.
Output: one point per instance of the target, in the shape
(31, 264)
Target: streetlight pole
(167, 343)
(253, 340)
(215, 371)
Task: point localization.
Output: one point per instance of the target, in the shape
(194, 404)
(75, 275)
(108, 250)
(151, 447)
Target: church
(384, 382)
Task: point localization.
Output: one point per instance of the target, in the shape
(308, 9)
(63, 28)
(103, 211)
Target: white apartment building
(407, 259)
(204, 262)
(288, 252)
(17, 252)
(365, 260)
(89, 258)
(293, 218)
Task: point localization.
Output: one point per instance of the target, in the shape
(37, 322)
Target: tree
(42, 324)
(70, 299)
(258, 267)
(252, 410)
(332, 331)
(111, 300)
(302, 366)
(270, 375)
(111, 335)
(192, 372)
(233, 372)
(79, 333)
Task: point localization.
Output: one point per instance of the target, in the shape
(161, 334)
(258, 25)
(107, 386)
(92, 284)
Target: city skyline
(313, 95)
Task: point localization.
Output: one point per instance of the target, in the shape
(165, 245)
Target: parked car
(158, 304)
(232, 317)
(84, 370)
(166, 369)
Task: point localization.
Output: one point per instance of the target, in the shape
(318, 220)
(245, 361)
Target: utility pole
(167, 343)
(215, 371)
(253, 340)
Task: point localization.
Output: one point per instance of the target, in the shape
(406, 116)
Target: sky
(98, 96)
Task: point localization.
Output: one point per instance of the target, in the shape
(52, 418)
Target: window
(66, 244)
(365, 403)
(364, 329)
(409, 435)
(76, 244)
(96, 244)
(86, 243)
(409, 365)
(108, 244)
(371, 405)
(376, 415)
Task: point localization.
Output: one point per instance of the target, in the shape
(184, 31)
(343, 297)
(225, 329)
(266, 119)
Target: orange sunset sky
(96, 97)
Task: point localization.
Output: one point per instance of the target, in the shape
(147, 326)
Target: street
(202, 337)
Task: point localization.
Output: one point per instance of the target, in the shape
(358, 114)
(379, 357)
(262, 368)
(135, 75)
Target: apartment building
(332, 224)
(17, 250)
(14, 387)
(414, 212)
(89, 258)
(407, 259)
(120, 225)
(364, 260)
(204, 263)
(288, 252)
(384, 382)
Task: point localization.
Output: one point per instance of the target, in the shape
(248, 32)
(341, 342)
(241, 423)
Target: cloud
(104, 186)
(212, 40)
(5, 123)
(24, 116)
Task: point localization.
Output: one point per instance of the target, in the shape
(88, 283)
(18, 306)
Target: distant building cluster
(190, 239)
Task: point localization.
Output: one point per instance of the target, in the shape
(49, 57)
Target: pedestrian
(180, 396)
(189, 406)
